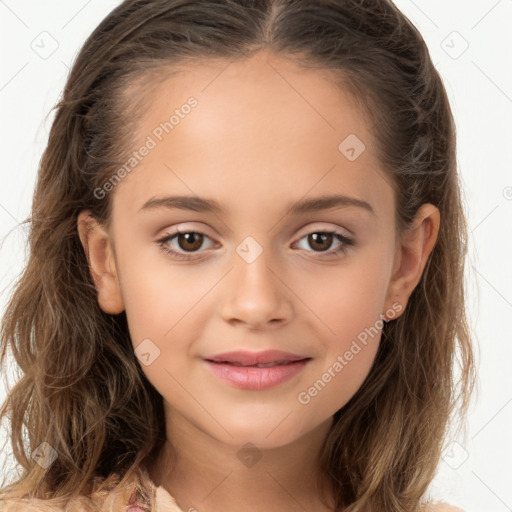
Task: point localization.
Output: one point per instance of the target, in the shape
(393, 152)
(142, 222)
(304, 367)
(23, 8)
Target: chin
(264, 435)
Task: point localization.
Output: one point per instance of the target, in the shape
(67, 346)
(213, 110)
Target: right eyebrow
(194, 203)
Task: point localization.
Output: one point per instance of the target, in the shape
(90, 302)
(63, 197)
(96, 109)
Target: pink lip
(254, 378)
(246, 358)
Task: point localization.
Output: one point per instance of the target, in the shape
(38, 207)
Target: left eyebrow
(199, 204)
(327, 203)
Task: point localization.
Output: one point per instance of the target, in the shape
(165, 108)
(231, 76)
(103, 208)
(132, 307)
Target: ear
(413, 250)
(99, 250)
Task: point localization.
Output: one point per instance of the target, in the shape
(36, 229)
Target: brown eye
(320, 241)
(183, 244)
(189, 241)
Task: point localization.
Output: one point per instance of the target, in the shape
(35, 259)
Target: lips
(263, 359)
(257, 377)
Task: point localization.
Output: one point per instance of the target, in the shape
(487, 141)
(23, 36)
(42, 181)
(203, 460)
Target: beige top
(137, 494)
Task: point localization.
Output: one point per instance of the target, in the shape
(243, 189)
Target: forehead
(262, 123)
(264, 89)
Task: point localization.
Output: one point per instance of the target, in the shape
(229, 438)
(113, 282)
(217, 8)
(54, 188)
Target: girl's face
(253, 154)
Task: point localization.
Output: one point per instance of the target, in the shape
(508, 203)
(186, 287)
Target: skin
(265, 134)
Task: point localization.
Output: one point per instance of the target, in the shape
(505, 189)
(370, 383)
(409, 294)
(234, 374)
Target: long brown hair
(82, 390)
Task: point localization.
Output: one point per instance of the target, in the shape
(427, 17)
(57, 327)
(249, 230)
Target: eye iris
(188, 238)
(313, 240)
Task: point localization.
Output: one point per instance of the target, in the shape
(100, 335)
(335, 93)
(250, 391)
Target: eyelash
(346, 244)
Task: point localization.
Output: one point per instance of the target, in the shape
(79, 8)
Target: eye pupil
(313, 240)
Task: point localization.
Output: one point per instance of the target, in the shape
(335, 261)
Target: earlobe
(98, 249)
(412, 254)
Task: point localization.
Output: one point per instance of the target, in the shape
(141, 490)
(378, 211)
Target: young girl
(245, 282)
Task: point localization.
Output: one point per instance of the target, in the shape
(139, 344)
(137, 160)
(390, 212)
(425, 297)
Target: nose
(256, 294)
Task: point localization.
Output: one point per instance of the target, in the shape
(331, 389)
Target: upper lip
(248, 358)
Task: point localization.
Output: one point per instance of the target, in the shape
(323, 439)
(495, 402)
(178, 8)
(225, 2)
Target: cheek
(348, 298)
(347, 359)
(162, 309)
(158, 298)
(347, 306)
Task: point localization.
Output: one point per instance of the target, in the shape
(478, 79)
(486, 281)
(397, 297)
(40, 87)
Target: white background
(474, 474)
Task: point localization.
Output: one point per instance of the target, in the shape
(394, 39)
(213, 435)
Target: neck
(205, 474)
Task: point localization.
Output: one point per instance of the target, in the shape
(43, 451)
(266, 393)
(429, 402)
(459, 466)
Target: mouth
(257, 376)
(263, 359)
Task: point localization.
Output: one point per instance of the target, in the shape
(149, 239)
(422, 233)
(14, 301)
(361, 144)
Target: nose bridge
(256, 293)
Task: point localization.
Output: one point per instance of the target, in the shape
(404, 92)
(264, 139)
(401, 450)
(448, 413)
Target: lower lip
(252, 377)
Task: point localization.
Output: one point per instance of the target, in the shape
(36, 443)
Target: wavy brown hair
(82, 390)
